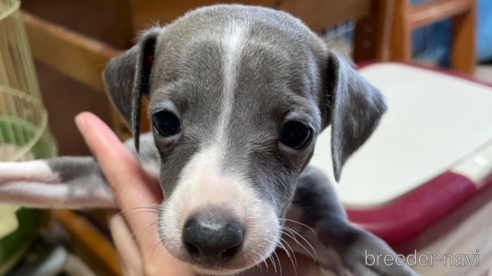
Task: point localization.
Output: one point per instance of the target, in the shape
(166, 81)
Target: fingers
(158, 261)
(132, 187)
(130, 258)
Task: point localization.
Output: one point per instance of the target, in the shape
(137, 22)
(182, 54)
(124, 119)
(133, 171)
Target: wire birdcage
(24, 133)
(23, 118)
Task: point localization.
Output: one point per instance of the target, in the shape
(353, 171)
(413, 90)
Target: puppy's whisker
(163, 250)
(259, 263)
(134, 208)
(300, 223)
(141, 207)
(153, 232)
(285, 241)
(290, 254)
(155, 247)
(315, 256)
(270, 257)
(134, 232)
(290, 235)
(152, 224)
(279, 263)
(153, 212)
(263, 261)
(273, 263)
(293, 258)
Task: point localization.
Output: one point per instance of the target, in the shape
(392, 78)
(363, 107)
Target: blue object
(433, 42)
(484, 34)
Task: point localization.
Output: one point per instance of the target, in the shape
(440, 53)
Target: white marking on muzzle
(203, 185)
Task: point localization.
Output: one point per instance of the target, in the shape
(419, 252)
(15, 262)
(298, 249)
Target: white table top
(434, 121)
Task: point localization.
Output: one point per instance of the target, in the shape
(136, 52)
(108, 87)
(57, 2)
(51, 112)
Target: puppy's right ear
(127, 79)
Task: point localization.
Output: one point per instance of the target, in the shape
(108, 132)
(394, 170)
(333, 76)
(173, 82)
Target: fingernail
(80, 121)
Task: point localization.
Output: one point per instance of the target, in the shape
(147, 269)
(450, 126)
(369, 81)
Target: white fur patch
(203, 185)
(37, 170)
(34, 184)
(232, 42)
(62, 195)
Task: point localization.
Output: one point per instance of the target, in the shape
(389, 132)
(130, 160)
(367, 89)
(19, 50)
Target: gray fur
(356, 108)
(127, 81)
(73, 168)
(284, 71)
(316, 205)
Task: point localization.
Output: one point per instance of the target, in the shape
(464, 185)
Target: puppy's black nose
(212, 237)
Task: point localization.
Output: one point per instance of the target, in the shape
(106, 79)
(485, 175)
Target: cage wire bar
(23, 118)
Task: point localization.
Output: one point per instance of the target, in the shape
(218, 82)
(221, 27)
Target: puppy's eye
(166, 124)
(294, 134)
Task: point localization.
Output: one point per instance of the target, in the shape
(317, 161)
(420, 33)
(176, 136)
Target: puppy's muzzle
(212, 237)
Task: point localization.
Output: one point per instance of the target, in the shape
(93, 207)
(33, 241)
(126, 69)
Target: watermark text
(415, 259)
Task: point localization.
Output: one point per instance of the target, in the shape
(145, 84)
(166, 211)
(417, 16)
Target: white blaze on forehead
(233, 41)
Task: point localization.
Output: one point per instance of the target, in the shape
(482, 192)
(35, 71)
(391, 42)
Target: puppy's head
(237, 97)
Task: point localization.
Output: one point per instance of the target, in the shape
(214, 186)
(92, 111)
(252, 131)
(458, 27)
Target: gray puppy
(237, 97)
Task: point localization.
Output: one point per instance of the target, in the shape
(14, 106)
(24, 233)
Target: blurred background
(67, 43)
(72, 40)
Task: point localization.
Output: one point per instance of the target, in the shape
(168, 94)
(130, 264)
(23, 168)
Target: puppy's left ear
(127, 79)
(355, 109)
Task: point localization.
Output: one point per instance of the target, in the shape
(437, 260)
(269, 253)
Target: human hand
(134, 230)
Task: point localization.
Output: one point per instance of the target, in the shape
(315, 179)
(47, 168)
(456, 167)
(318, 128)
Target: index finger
(133, 188)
